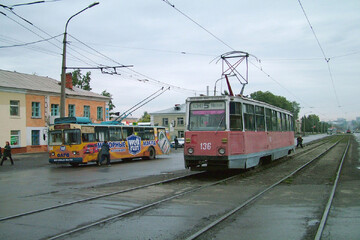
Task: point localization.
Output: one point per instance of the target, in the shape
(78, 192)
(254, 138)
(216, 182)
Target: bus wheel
(152, 153)
(74, 164)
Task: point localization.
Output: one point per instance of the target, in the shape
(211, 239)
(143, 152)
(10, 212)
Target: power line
(30, 43)
(322, 50)
(199, 25)
(147, 78)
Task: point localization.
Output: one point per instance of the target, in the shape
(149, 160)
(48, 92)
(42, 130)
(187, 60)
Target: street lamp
(63, 69)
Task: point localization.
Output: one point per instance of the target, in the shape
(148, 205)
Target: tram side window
(115, 134)
(72, 136)
(279, 121)
(291, 121)
(286, 122)
(268, 119)
(127, 131)
(282, 122)
(249, 117)
(102, 134)
(260, 118)
(274, 120)
(235, 116)
(55, 138)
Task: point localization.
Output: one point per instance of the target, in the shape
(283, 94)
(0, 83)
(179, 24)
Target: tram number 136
(205, 146)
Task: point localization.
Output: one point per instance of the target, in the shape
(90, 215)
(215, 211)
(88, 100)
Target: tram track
(153, 204)
(114, 217)
(199, 234)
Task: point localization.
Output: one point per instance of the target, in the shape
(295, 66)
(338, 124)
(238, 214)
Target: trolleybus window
(249, 117)
(72, 136)
(102, 134)
(115, 134)
(268, 119)
(207, 116)
(145, 133)
(88, 134)
(235, 116)
(127, 131)
(55, 138)
(260, 119)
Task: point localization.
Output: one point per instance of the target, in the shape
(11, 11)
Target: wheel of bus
(152, 153)
(74, 164)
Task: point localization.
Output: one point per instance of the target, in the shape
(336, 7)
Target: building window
(181, 134)
(99, 113)
(54, 109)
(14, 108)
(35, 110)
(71, 108)
(180, 121)
(165, 122)
(15, 138)
(35, 137)
(87, 111)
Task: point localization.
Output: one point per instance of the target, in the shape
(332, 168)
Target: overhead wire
(147, 78)
(323, 52)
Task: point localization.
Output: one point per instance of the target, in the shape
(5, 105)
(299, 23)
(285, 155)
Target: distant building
(172, 118)
(30, 103)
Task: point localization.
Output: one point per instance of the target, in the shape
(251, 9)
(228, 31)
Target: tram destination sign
(207, 105)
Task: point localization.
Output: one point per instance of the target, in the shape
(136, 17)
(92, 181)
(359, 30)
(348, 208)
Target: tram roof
(241, 98)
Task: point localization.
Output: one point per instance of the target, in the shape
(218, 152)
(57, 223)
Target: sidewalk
(26, 161)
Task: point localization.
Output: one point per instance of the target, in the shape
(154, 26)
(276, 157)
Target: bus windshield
(55, 138)
(72, 136)
(207, 116)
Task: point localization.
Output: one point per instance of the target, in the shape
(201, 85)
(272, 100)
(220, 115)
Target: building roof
(28, 83)
(177, 109)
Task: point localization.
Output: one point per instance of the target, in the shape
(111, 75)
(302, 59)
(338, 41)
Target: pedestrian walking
(105, 153)
(7, 154)
(176, 141)
(299, 141)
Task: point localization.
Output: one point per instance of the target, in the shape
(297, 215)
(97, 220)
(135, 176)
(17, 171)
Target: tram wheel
(74, 164)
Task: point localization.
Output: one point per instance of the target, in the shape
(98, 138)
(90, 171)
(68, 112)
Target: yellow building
(30, 103)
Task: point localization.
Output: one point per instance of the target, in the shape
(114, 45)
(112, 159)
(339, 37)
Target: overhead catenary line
(323, 52)
(147, 78)
(199, 25)
(30, 43)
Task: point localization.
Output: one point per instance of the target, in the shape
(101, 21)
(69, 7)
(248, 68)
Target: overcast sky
(167, 48)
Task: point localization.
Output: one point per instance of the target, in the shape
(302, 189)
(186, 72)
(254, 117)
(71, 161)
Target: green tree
(107, 94)
(80, 80)
(145, 117)
(278, 101)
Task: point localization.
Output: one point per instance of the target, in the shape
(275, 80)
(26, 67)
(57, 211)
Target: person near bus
(105, 153)
(176, 141)
(7, 154)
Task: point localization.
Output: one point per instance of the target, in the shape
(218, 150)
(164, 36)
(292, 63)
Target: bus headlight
(221, 151)
(190, 150)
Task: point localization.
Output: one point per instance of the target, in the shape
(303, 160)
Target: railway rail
(181, 192)
(274, 185)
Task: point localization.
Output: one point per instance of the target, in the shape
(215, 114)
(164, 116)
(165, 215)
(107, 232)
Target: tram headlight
(221, 151)
(75, 153)
(190, 150)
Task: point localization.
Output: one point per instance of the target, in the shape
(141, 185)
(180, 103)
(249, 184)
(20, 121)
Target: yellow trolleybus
(76, 140)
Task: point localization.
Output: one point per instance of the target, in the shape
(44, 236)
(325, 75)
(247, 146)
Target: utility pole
(63, 69)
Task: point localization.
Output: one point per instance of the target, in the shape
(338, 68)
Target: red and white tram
(229, 132)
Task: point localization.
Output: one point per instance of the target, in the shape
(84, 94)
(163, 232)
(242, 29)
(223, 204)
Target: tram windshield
(207, 116)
